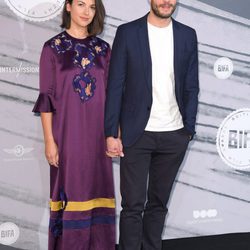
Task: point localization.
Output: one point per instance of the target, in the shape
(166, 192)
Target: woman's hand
(51, 153)
(51, 149)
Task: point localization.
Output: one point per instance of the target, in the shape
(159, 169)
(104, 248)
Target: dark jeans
(159, 156)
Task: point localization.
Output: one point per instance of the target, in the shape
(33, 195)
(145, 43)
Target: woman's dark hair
(97, 24)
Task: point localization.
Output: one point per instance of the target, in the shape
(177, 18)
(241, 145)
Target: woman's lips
(84, 18)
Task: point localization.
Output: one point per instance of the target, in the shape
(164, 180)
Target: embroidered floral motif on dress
(61, 44)
(85, 54)
(84, 84)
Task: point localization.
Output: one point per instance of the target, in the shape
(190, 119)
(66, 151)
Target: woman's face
(82, 12)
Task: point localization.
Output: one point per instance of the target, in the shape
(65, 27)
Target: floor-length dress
(73, 76)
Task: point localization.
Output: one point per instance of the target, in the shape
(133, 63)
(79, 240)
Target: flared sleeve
(47, 82)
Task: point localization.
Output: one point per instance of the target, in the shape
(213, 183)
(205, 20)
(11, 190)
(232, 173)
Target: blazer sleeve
(116, 81)
(191, 89)
(46, 98)
(107, 62)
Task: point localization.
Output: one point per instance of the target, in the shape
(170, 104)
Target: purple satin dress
(73, 77)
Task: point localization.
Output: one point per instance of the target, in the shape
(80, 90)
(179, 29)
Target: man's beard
(157, 12)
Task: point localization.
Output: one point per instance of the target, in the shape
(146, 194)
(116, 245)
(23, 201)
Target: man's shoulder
(133, 25)
(183, 27)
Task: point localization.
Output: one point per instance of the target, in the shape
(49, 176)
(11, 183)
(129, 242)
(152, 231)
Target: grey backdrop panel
(209, 197)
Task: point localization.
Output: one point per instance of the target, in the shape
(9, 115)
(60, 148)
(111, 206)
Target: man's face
(163, 8)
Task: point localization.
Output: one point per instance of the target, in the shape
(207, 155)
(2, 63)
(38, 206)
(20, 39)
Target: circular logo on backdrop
(36, 10)
(19, 150)
(233, 139)
(9, 233)
(223, 68)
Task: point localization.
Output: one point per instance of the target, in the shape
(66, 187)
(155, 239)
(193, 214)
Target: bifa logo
(239, 139)
(233, 139)
(9, 233)
(223, 68)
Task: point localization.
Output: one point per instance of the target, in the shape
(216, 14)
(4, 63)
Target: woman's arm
(45, 104)
(51, 149)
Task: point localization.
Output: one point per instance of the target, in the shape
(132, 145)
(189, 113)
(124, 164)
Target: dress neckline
(75, 38)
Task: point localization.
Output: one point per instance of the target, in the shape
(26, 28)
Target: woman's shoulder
(99, 46)
(59, 43)
(99, 41)
(52, 39)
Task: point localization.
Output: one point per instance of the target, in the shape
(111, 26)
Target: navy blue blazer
(129, 91)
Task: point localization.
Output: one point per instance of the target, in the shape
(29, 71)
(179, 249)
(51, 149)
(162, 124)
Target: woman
(73, 75)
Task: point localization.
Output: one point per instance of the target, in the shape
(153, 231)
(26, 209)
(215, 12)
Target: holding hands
(114, 147)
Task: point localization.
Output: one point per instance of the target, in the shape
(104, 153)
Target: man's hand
(114, 147)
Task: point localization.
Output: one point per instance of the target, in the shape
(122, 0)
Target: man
(151, 107)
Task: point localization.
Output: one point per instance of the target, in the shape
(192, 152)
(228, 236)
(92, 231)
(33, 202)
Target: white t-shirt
(165, 114)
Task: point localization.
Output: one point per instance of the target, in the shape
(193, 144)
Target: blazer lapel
(177, 48)
(145, 52)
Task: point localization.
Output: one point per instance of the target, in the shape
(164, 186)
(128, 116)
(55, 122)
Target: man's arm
(191, 89)
(116, 81)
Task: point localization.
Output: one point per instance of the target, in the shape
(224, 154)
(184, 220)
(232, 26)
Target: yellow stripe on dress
(83, 205)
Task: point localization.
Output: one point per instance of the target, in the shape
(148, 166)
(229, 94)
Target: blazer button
(148, 108)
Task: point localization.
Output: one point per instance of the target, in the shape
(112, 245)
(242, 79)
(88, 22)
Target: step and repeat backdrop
(211, 194)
